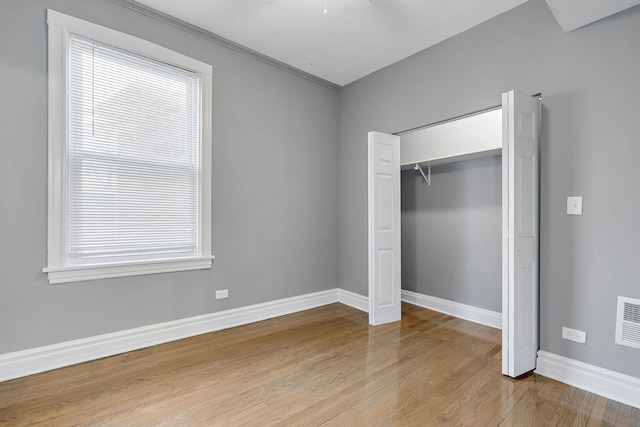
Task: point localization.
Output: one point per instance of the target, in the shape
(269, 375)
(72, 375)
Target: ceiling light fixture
(352, 4)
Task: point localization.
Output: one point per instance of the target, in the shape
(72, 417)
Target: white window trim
(58, 270)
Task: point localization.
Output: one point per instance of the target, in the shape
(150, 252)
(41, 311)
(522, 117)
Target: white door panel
(520, 160)
(384, 228)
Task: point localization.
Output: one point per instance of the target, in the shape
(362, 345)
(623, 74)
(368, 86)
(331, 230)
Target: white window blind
(133, 147)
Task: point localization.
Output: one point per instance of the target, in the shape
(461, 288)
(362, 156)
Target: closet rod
(462, 116)
(452, 119)
(427, 178)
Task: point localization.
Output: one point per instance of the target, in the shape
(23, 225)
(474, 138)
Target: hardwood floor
(325, 366)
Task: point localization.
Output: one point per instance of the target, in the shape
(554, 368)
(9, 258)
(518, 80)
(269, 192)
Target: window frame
(59, 268)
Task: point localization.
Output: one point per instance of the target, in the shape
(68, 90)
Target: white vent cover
(628, 322)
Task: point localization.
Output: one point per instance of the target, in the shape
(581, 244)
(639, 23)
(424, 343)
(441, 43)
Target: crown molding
(221, 41)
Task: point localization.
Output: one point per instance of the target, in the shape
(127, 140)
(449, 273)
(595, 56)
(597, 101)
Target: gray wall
(452, 232)
(589, 79)
(275, 194)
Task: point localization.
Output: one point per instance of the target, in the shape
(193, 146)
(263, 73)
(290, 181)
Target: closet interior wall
(451, 232)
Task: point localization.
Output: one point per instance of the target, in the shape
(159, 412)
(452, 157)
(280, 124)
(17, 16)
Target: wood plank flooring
(321, 367)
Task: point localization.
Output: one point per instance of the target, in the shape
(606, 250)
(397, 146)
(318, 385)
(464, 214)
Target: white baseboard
(354, 300)
(610, 384)
(463, 311)
(32, 361)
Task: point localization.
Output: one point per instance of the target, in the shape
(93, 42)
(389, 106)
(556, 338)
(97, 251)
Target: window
(129, 155)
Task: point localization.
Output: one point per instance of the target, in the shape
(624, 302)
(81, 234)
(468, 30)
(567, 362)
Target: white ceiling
(353, 39)
(356, 37)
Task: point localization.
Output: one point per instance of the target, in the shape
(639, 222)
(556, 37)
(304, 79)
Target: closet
(514, 134)
(451, 228)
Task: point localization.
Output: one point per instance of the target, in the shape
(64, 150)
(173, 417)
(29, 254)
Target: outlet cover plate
(221, 294)
(574, 335)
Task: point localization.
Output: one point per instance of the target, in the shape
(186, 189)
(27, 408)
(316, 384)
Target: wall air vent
(628, 322)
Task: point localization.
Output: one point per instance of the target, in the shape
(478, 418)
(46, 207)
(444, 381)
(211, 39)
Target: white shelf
(464, 139)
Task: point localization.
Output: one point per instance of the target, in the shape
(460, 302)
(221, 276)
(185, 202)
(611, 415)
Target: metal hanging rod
(427, 177)
(462, 116)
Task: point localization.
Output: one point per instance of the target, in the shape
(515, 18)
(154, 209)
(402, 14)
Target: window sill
(78, 273)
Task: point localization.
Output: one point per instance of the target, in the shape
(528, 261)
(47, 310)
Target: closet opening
(451, 217)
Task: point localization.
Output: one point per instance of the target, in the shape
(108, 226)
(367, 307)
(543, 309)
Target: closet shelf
(464, 139)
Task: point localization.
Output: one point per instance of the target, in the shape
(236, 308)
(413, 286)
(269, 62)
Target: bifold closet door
(520, 199)
(384, 228)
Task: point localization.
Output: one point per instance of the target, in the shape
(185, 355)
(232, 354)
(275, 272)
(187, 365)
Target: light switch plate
(574, 205)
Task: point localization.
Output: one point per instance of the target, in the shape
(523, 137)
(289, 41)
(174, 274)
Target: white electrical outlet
(574, 335)
(224, 293)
